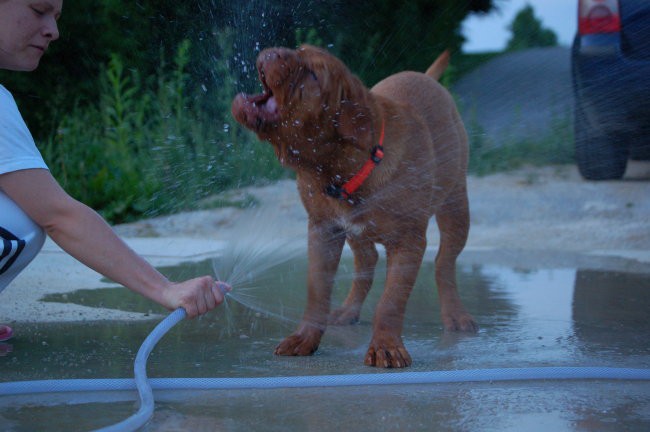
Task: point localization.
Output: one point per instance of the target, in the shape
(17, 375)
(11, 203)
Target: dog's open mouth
(258, 112)
(266, 100)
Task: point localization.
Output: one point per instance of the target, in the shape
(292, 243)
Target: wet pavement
(535, 309)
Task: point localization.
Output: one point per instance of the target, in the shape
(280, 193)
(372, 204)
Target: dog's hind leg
(365, 260)
(453, 222)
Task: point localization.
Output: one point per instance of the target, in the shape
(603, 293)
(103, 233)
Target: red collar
(345, 192)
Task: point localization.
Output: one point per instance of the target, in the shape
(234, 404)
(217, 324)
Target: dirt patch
(517, 96)
(548, 208)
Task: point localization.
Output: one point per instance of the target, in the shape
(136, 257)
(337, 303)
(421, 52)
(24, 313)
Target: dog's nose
(274, 54)
(266, 57)
(270, 55)
(273, 65)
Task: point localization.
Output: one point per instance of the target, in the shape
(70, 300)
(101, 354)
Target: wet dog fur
(323, 123)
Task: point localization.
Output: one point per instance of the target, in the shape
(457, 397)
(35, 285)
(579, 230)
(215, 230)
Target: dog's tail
(438, 67)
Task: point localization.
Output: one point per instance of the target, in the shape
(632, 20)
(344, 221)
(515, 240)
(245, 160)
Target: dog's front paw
(387, 353)
(302, 343)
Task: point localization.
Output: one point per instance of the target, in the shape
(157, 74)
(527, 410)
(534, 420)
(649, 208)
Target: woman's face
(26, 29)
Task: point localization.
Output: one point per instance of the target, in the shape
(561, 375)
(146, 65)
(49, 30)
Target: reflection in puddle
(528, 317)
(543, 324)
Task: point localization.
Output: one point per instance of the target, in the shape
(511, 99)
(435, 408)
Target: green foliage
(376, 39)
(131, 107)
(309, 36)
(146, 148)
(553, 148)
(527, 32)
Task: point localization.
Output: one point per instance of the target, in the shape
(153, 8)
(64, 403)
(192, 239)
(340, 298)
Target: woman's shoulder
(9, 109)
(4, 92)
(17, 147)
(6, 98)
(13, 130)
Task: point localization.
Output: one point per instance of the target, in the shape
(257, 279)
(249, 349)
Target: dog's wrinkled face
(310, 103)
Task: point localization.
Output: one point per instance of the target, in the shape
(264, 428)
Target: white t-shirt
(20, 238)
(17, 148)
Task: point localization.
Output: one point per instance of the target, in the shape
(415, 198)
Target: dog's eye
(313, 75)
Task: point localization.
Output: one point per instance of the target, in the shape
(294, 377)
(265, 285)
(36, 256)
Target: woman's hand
(197, 296)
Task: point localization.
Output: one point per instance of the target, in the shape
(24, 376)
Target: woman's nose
(51, 29)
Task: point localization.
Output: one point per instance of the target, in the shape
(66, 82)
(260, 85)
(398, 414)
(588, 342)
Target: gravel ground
(517, 95)
(548, 208)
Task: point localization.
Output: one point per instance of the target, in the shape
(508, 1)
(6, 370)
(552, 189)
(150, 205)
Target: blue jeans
(20, 240)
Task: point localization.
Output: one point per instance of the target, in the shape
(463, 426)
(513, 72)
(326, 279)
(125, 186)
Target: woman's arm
(82, 233)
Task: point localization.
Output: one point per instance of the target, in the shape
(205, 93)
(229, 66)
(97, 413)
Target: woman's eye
(37, 11)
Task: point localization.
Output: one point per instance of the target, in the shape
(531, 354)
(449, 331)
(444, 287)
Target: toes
(463, 323)
(295, 345)
(388, 358)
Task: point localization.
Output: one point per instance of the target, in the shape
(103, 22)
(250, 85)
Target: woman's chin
(21, 66)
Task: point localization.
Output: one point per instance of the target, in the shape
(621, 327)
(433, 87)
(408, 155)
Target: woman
(33, 204)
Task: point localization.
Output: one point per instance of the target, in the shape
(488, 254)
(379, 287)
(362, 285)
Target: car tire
(640, 145)
(598, 155)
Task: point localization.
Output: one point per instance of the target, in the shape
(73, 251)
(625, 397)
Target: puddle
(529, 316)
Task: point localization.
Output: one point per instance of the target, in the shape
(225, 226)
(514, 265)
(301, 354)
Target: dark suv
(611, 81)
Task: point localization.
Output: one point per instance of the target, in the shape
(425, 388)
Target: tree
(378, 38)
(527, 32)
(374, 37)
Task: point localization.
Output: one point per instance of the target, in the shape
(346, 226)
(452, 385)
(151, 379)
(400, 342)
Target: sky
(490, 32)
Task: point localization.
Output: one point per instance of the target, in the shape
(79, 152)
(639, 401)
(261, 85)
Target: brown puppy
(328, 127)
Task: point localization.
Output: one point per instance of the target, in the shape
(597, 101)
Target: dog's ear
(344, 95)
(354, 115)
(353, 122)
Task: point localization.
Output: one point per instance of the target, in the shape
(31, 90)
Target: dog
(372, 167)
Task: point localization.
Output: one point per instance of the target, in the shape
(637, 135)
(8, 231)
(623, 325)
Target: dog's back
(424, 97)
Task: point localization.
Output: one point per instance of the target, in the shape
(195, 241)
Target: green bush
(553, 148)
(146, 147)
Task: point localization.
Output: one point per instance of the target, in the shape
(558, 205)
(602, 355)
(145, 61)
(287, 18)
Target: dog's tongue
(271, 105)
